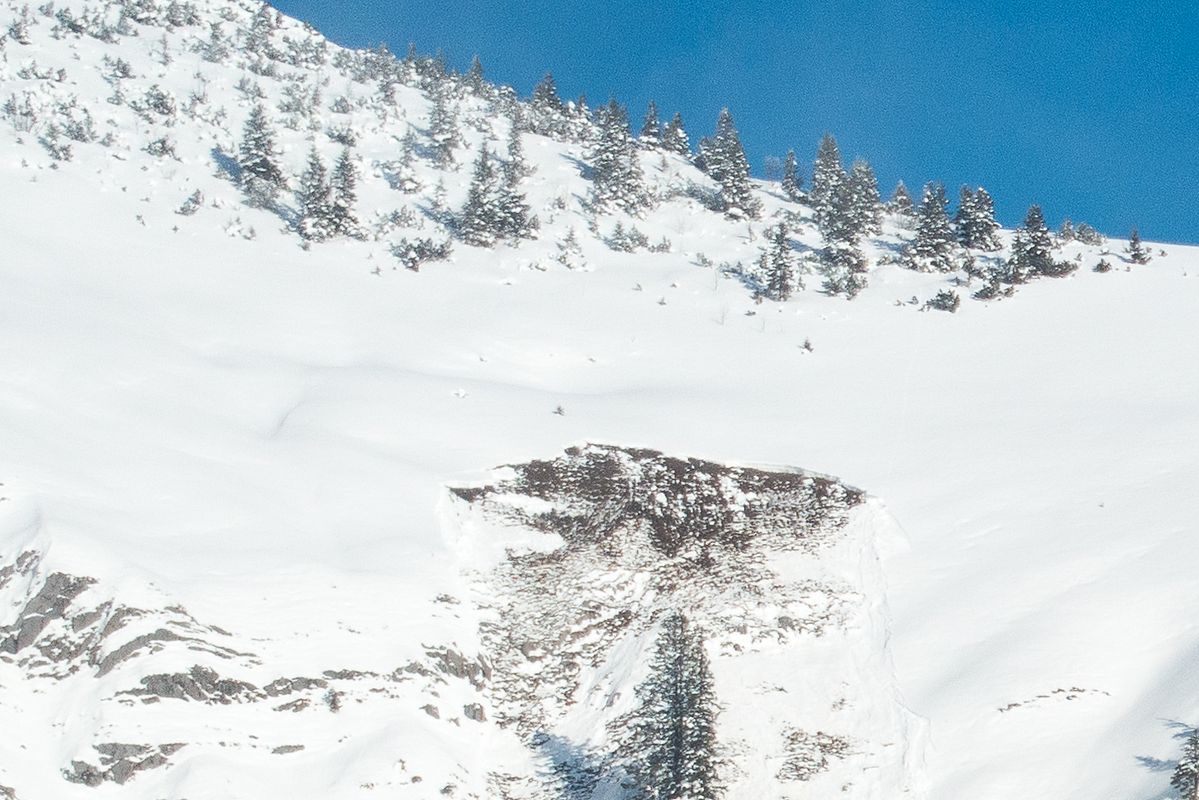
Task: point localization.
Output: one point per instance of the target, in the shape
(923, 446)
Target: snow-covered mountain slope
(237, 558)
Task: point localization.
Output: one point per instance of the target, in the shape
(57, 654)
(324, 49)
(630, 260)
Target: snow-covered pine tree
(674, 136)
(615, 168)
(963, 219)
(443, 125)
(216, 49)
(975, 220)
(1186, 775)
(515, 219)
(671, 749)
(843, 266)
(261, 175)
(780, 277)
(547, 113)
(579, 125)
(258, 40)
(900, 203)
(480, 222)
(439, 207)
(828, 182)
(517, 164)
(986, 228)
(792, 181)
(724, 160)
(570, 254)
(864, 206)
(1015, 270)
(473, 80)
(934, 245)
(545, 95)
(1137, 253)
(345, 195)
(1037, 253)
(405, 167)
(651, 127)
(314, 200)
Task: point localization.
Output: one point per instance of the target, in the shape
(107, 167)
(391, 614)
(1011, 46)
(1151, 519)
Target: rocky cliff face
(765, 563)
(595, 548)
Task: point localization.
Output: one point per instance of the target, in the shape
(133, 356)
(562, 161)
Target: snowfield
(249, 445)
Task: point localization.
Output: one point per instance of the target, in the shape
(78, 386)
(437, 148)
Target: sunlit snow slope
(232, 564)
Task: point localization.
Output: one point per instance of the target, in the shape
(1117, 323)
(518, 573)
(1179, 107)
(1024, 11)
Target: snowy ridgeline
(230, 114)
(647, 626)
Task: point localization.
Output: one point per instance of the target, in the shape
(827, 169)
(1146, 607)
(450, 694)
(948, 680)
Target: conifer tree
(901, 202)
(261, 175)
(792, 181)
(933, 248)
(863, 204)
(843, 266)
(545, 95)
(828, 183)
(778, 260)
(474, 80)
(439, 208)
(570, 254)
(671, 750)
(1032, 253)
(986, 228)
(1137, 253)
(964, 218)
(515, 219)
(516, 154)
(315, 201)
(480, 223)
(651, 127)
(616, 171)
(975, 220)
(345, 195)
(674, 136)
(1038, 249)
(405, 176)
(216, 49)
(258, 39)
(547, 113)
(443, 125)
(1186, 775)
(580, 123)
(1015, 270)
(724, 159)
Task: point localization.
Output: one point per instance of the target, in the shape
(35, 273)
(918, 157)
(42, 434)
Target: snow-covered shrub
(161, 147)
(808, 754)
(403, 217)
(412, 253)
(628, 240)
(944, 300)
(18, 30)
(55, 146)
(192, 204)
(156, 105)
(23, 112)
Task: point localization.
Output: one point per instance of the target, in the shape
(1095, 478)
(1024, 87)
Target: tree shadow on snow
(581, 774)
(582, 166)
(1181, 731)
(227, 166)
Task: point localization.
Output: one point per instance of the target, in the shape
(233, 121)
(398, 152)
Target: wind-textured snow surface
(233, 563)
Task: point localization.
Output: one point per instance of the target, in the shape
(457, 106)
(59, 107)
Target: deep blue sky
(1089, 108)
